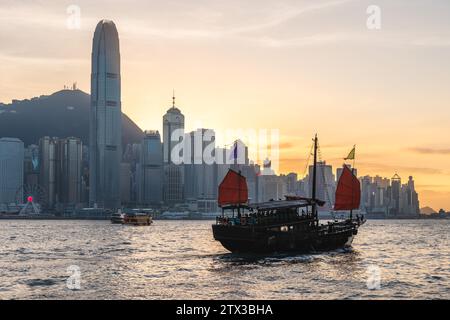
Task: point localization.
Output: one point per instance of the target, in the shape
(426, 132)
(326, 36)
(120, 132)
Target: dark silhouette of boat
(285, 225)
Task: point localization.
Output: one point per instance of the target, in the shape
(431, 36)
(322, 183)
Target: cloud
(287, 15)
(394, 168)
(285, 145)
(427, 150)
(432, 41)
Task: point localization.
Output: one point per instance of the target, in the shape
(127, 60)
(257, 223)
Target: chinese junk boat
(284, 225)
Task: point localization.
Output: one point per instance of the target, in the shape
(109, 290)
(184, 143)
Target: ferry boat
(137, 219)
(117, 217)
(285, 225)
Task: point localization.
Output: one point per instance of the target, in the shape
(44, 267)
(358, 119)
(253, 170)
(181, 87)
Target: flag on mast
(351, 155)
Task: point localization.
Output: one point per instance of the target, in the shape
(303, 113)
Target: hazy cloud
(427, 150)
(394, 168)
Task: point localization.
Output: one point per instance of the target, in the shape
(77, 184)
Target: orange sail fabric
(348, 192)
(233, 189)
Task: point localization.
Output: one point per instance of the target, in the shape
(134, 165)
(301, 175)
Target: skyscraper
(151, 169)
(200, 169)
(173, 122)
(69, 171)
(47, 169)
(396, 184)
(31, 165)
(105, 119)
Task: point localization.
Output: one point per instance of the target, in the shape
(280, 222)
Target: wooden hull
(245, 239)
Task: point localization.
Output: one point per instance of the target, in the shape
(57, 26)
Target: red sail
(348, 192)
(233, 189)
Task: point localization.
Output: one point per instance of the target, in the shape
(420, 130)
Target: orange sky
(295, 66)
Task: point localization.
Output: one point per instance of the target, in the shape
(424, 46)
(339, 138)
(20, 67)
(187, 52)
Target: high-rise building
(396, 185)
(11, 169)
(173, 135)
(238, 158)
(292, 185)
(47, 169)
(125, 183)
(69, 171)
(200, 173)
(150, 177)
(105, 118)
(221, 166)
(173, 122)
(389, 197)
(31, 165)
(409, 199)
(269, 185)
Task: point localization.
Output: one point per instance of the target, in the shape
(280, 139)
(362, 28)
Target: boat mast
(353, 173)
(314, 207)
(239, 195)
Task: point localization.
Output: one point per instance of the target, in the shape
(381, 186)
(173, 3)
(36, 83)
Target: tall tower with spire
(173, 134)
(173, 120)
(105, 136)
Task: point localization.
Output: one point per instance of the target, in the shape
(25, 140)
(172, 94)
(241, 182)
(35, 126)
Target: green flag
(351, 155)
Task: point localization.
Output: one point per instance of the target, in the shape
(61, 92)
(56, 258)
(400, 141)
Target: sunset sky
(298, 66)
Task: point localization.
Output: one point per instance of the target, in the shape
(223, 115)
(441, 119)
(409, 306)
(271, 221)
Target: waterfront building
(69, 171)
(47, 170)
(105, 139)
(11, 170)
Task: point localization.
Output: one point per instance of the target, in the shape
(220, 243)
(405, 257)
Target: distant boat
(172, 215)
(117, 217)
(284, 225)
(135, 218)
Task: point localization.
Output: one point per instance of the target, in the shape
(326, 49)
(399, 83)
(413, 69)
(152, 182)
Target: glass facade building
(105, 119)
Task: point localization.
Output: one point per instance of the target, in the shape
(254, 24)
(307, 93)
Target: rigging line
(308, 159)
(325, 182)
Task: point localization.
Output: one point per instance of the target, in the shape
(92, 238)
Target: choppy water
(180, 260)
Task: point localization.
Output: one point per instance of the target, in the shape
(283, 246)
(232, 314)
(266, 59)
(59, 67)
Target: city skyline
(402, 131)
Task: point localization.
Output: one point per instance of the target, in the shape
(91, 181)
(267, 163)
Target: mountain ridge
(64, 113)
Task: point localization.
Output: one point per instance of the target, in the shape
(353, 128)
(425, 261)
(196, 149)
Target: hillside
(62, 114)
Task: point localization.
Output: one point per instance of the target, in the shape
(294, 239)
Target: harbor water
(50, 259)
